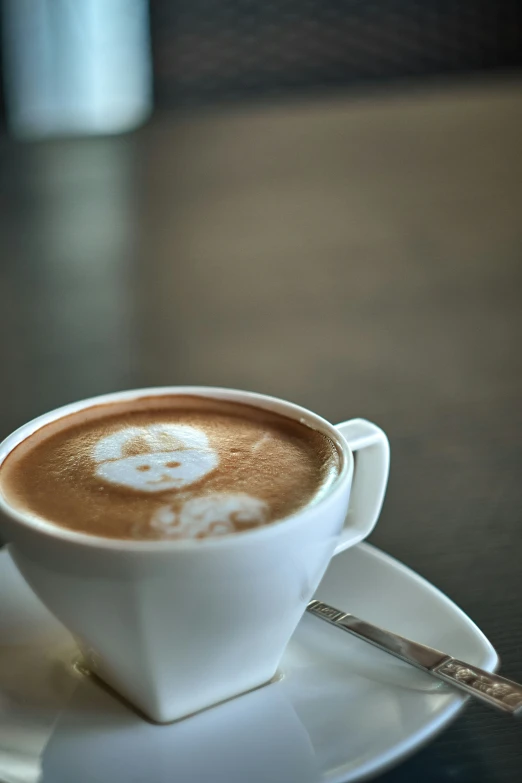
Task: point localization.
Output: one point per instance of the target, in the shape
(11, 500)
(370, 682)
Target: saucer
(339, 711)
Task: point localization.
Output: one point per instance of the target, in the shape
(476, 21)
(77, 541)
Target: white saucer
(341, 711)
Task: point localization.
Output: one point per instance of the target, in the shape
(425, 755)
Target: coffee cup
(176, 626)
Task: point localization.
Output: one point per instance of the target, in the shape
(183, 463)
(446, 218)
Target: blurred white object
(76, 67)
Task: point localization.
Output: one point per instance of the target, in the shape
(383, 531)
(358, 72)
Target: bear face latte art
(169, 467)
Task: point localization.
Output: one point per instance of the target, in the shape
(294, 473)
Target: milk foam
(169, 467)
(157, 469)
(210, 515)
(171, 456)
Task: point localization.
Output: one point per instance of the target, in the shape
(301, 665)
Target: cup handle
(371, 450)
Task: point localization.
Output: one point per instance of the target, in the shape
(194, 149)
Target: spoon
(489, 688)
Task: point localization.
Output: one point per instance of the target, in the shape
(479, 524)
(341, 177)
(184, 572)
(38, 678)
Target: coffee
(169, 467)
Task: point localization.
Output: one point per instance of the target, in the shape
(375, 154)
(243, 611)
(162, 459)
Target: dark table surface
(362, 257)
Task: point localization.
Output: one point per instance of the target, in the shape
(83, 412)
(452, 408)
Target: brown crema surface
(277, 460)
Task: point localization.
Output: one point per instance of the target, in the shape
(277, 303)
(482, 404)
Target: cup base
(81, 667)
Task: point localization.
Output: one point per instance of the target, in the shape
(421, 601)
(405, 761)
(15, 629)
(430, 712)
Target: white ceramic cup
(177, 626)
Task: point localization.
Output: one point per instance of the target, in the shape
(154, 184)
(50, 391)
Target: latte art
(173, 456)
(212, 515)
(172, 467)
(159, 470)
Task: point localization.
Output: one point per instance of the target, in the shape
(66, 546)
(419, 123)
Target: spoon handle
(489, 688)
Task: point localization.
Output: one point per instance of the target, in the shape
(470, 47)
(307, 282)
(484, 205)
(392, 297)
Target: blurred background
(228, 191)
(320, 200)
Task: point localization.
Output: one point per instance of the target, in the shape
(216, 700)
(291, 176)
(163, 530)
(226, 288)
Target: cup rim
(50, 530)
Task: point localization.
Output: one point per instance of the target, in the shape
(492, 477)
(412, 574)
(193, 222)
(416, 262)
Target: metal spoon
(491, 689)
